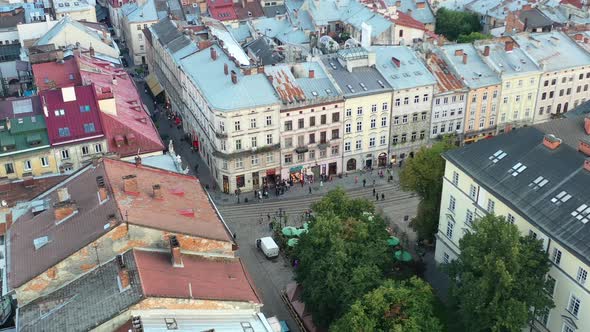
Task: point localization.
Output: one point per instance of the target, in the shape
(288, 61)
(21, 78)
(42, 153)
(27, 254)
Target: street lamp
(281, 215)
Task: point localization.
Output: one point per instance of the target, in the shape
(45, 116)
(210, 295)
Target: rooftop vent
(40, 242)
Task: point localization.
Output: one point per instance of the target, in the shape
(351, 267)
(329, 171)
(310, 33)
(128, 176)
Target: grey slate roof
(169, 36)
(582, 109)
(84, 303)
(563, 167)
(535, 18)
(368, 76)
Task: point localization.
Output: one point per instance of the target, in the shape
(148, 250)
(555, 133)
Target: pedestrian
(260, 220)
(268, 216)
(270, 226)
(310, 189)
(356, 179)
(321, 183)
(377, 197)
(382, 196)
(364, 183)
(373, 191)
(302, 182)
(373, 183)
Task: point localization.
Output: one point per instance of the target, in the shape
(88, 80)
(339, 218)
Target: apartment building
(520, 81)
(481, 110)
(136, 17)
(536, 177)
(566, 71)
(367, 101)
(310, 121)
(24, 144)
(449, 99)
(413, 87)
(79, 10)
(233, 115)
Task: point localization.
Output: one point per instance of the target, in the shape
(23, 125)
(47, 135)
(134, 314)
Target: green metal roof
(24, 134)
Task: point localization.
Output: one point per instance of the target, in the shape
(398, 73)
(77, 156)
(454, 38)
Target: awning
(295, 169)
(155, 87)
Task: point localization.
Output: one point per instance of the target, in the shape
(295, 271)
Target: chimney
(587, 125)
(63, 210)
(508, 46)
(63, 195)
(225, 69)
(103, 194)
(396, 62)
(459, 52)
(584, 146)
(398, 3)
(176, 256)
(579, 36)
(551, 142)
(130, 185)
(157, 190)
(486, 51)
(311, 73)
(91, 51)
(124, 279)
(234, 77)
(420, 5)
(114, 80)
(136, 324)
(137, 161)
(587, 164)
(112, 220)
(527, 7)
(464, 58)
(213, 54)
(8, 219)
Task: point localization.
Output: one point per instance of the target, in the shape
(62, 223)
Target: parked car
(268, 247)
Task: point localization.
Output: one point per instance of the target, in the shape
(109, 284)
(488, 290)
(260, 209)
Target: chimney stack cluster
(65, 207)
(551, 142)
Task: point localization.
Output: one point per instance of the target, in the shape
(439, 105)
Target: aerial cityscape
(295, 165)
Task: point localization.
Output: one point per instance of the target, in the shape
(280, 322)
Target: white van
(268, 247)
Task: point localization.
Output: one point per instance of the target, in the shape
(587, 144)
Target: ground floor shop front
(312, 171)
(365, 161)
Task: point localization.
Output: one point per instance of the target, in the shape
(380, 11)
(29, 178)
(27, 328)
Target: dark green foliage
(452, 24)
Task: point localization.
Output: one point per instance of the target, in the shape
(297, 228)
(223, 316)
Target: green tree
(451, 23)
(343, 256)
(498, 277)
(396, 306)
(424, 175)
(470, 38)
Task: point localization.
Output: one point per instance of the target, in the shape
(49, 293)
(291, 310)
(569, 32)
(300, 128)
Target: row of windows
(301, 122)
(515, 114)
(445, 100)
(359, 125)
(564, 79)
(484, 96)
(567, 92)
(517, 98)
(359, 143)
(482, 123)
(444, 113)
(254, 159)
(448, 128)
(405, 118)
(253, 143)
(404, 137)
(520, 83)
(253, 124)
(65, 131)
(311, 155)
(359, 109)
(65, 153)
(312, 138)
(406, 100)
(27, 165)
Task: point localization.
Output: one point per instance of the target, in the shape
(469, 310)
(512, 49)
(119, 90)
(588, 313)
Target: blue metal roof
(412, 72)
(222, 95)
(475, 73)
(410, 7)
(554, 49)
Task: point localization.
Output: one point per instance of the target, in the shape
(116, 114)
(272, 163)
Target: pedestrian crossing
(297, 206)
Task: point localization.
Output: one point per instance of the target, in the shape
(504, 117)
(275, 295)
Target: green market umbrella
(292, 242)
(305, 225)
(290, 231)
(300, 231)
(392, 241)
(402, 256)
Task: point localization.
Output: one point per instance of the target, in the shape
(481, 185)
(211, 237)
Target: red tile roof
(131, 122)
(74, 119)
(446, 80)
(575, 3)
(52, 75)
(223, 280)
(22, 191)
(222, 10)
(406, 20)
(180, 192)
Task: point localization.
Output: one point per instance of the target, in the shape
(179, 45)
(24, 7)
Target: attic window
(582, 213)
(539, 182)
(40, 242)
(171, 323)
(499, 155)
(562, 197)
(517, 169)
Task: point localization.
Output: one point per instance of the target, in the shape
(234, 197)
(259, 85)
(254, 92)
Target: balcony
(220, 134)
(248, 152)
(301, 149)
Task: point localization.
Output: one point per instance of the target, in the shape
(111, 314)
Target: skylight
(539, 182)
(560, 198)
(582, 213)
(499, 155)
(40, 242)
(517, 169)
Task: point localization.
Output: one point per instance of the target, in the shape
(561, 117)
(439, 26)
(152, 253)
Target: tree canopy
(396, 306)
(498, 277)
(451, 23)
(424, 175)
(343, 256)
(470, 38)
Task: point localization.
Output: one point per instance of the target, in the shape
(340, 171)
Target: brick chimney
(92, 51)
(584, 146)
(396, 61)
(63, 210)
(579, 37)
(225, 69)
(175, 254)
(458, 52)
(587, 125)
(63, 195)
(551, 142)
(311, 73)
(157, 191)
(137, 161)
(587, 164)
(398, 3)
(213, 54)
(130, 185)
(234, 77)
(124, 280)
(486, 51)
(508, 46)
(464, 58)
(421, 5)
